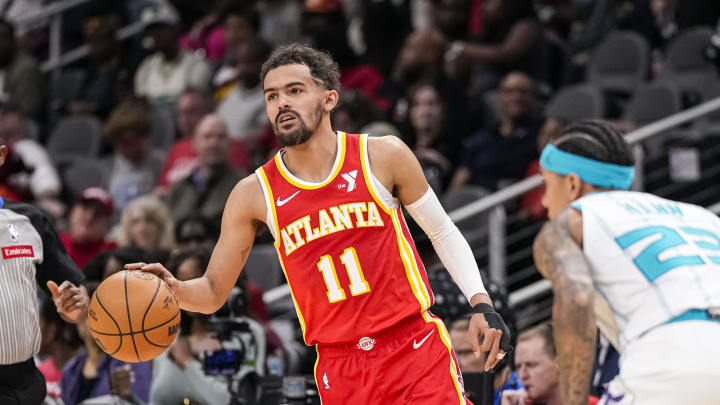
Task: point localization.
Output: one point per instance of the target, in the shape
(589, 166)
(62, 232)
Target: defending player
(646, 269)
(332, 202)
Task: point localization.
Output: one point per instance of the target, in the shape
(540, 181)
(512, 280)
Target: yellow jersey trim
(445, 337)
(271, 205)
(299, 183)
(410, 271)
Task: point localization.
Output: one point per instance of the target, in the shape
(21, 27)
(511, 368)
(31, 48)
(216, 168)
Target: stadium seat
(686, 63)
(84, 173)
(577, 102)
(263, 267)
(73, 137)
(620, 63)
(651, 102)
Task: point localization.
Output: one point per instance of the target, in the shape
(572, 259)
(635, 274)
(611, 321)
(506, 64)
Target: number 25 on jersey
(358, 284)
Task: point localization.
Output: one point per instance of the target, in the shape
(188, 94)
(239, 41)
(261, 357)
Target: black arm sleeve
(57, 264)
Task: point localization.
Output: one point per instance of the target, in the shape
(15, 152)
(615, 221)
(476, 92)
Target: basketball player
(646, 269)
(332, 202)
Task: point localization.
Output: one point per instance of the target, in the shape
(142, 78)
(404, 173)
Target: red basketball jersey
(348, 257)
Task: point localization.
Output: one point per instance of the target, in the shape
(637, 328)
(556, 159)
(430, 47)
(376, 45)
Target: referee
(31, 253)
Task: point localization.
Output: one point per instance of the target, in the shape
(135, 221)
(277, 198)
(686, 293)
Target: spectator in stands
(357, 114)
(28, 173)
(179, 371)
(60, 342)
(164, 75)
(134, 168)
(108, 73)
(206, 189)
(93, 373)
(538, 370)
(280, 13)
(243, 109)
(195, 231)
(505, 150)
(228, 24)
(89, 223)
(510, 40)
(191, 107)
(110, 262)
(421, 60)
(432, 136)
(22, 85)
(504, 379)
(146, 223)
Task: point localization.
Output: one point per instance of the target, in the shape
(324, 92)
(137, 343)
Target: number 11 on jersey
(358, 284)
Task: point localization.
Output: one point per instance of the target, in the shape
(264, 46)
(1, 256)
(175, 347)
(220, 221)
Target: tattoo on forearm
(560, 260)
(244, 253)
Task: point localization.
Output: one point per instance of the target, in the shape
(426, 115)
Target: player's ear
(331, 100)
(574, 186)
(3, 154)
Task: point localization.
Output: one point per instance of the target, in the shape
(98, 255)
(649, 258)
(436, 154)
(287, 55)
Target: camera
(290, 390)
(241, 340)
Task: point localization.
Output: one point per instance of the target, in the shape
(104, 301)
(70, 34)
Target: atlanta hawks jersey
(653, 260)
(347, 254)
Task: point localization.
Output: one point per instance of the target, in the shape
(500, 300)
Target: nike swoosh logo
(417, 344)
(280, 202)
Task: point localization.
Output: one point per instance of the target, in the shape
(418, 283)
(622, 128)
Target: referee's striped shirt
(30, 253)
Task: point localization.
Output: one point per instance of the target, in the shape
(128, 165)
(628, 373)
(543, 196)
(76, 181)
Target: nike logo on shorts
(280, 202)
(416, 344)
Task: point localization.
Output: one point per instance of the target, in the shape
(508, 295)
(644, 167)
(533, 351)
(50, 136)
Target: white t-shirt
(163, 81)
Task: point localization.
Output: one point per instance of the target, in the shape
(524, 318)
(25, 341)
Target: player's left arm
(395, 165)
(559, 258)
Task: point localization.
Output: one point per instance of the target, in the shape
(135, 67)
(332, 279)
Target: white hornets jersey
(653, 260)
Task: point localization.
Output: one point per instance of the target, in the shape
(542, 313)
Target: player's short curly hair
(322, 66)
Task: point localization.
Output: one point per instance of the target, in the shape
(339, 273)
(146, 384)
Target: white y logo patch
(350, 178)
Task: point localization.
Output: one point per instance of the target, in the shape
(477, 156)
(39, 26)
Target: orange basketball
(133, 316)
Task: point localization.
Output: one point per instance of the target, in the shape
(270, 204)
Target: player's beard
(302, 133)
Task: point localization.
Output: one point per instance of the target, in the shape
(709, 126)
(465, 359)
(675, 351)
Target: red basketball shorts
(410, 363)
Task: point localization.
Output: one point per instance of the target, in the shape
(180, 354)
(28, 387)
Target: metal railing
(53, 13)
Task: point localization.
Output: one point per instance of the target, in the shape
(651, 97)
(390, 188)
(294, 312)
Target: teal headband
(599, 174)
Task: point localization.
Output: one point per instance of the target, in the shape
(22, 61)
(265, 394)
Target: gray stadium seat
(263, 267)
(654, 101)
(620, 63)
(572, 103)
(84, 173)
(73, 137)
(686, 64)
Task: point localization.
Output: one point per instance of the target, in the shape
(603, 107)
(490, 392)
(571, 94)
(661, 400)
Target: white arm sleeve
(450, 245)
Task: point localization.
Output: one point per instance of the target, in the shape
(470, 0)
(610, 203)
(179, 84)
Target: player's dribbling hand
(71, 301)
(158, 270)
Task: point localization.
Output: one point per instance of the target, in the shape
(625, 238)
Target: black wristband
(495, 321)
(482, 308)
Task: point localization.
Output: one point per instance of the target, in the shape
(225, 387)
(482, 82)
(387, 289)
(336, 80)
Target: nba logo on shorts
(14, 235)
(326, 383)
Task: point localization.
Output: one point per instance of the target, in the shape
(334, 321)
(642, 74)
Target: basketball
(133, 316)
